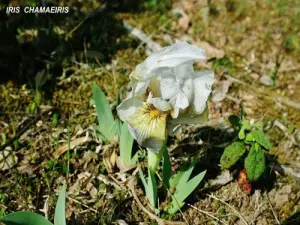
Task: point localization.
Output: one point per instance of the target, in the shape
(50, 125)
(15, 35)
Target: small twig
(285, 131)
(231, 207)
(274, 214)
(236, 100)
(27, 125)
(80, 203)
(107, 181)
(160, 221)
(207, 214)
(143, 37)
(285, 170)
(45, 208)
(70, 33)
(288, 102)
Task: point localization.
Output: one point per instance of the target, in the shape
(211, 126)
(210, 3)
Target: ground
(48, 119)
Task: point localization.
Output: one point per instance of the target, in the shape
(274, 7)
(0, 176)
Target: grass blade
(150, 186)
(183, 191)
(107, 125)
(166, 168)
(186, 174)
(143, 178)
(189, 187)
(151, 191)
(60, 209)
(126, 143)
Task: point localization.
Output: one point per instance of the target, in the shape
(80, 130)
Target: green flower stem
(154, 156)
(153, 159)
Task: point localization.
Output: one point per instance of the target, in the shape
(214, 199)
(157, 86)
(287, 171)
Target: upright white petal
(177, 87)
(202, 88)
(139, 88)
(184, 71)
(159, 103)
(168, 86)
(171, 56)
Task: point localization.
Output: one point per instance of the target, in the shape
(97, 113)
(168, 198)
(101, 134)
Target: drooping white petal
(202, 88)
(128, 107)
(148, 126)
(171, 56)
(179, 103)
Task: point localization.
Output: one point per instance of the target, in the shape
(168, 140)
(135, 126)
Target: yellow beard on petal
(149, 125)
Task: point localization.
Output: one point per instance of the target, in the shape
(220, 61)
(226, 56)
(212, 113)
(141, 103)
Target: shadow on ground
(44, 44)
(292, 220)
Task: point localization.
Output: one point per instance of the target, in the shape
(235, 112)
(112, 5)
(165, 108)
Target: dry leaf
(88, 156)
(124, 167)
(211, 51)
(77, 187)
(7, 159)
(266, 80)
(121, 222)
(184, 22)
(184, 19)
(73, 144)
(92, 190)
(219, 93)
(109, 159)
(27, 167)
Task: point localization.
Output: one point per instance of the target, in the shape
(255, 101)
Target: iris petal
(159, 103)
(168, 86)
(202, 88)
(172, 56)
(128, 107)
(149, 126)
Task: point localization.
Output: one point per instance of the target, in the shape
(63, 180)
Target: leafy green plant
(30, 218)
(183, 186)
(179, 185)
(251, 142)
(108, 126)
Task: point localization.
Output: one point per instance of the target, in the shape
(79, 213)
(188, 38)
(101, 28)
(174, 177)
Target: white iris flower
(166, 92)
